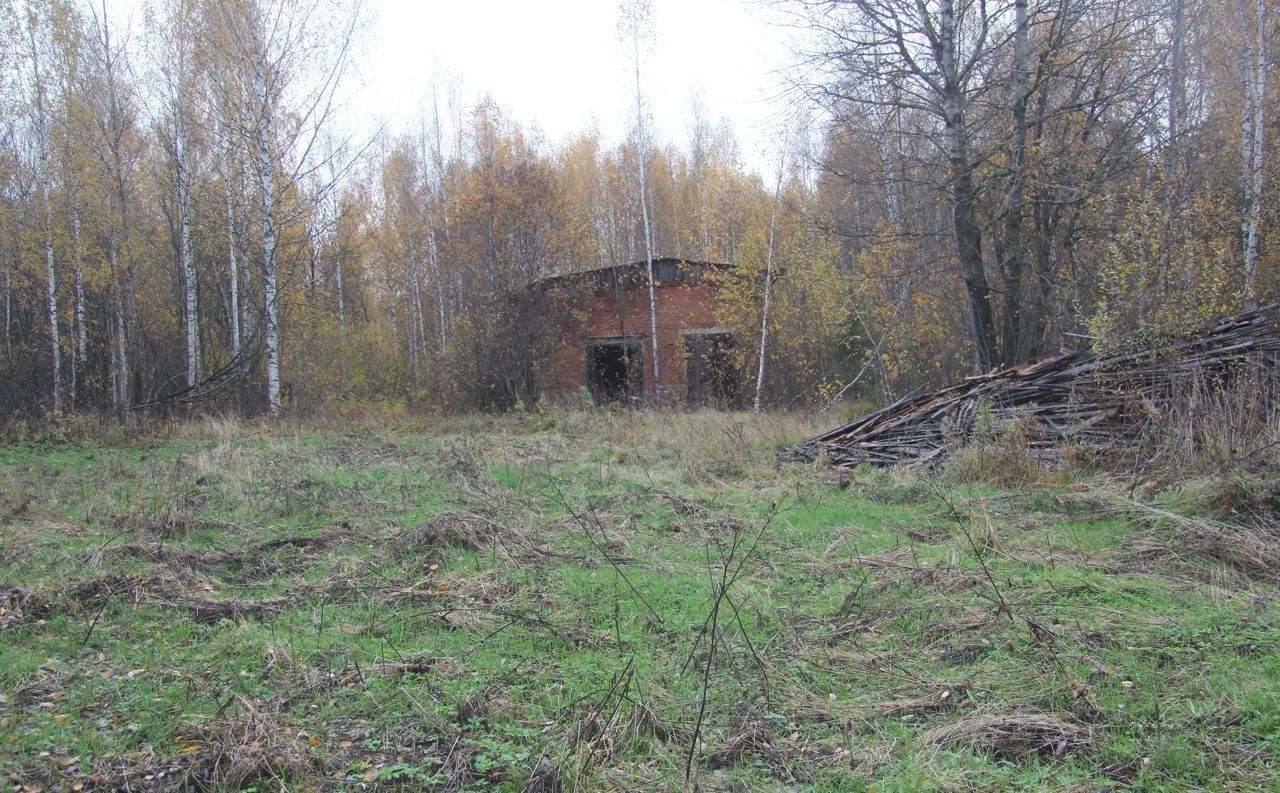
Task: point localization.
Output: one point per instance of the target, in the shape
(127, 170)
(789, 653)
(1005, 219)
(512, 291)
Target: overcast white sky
(560, 65)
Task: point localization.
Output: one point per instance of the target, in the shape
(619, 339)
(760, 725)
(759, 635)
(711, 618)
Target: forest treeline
(184, 223)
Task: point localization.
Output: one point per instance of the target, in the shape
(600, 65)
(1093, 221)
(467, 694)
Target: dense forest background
(185, 225)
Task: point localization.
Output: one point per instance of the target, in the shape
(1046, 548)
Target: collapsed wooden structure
(1082, 397)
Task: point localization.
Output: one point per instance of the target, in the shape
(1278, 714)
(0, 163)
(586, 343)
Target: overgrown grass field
(596, 601)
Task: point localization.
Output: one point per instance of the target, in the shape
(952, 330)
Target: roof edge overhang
(667, 269)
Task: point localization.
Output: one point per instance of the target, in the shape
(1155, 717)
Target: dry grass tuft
(545, 778)
(751, 739)
(748, 738)
(468, 530)
(1012, 735)
(945, 699)
(1251, 495)
(19, 605)
(254, 747)
(1253, 550)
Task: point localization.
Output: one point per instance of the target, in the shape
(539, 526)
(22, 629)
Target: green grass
(477, 603)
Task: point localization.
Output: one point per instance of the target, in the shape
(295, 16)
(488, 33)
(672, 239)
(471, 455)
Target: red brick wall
(586, 311)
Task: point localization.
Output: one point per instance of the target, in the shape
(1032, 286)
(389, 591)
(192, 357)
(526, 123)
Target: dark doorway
(711, 370)
(615, 371)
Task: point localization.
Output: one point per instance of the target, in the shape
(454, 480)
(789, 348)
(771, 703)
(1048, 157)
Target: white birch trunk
(120, 375)
(81, 358)
(191, 306)
(642, 153)
(337, 270)
(118, 239)
(51, 272)
(1252, 129)
(415, 305)
(442, 331)
(82, 332)
(8, 313)
(236, 321)
(768, 283)
(266, 178)
(55, 343)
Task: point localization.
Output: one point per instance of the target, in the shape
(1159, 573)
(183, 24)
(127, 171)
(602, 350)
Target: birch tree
(768, 274)
(174, 34)
(1253, 75)
(286, 60)
(227, 173)
(115, 144)
(39, 104)
(636, 26)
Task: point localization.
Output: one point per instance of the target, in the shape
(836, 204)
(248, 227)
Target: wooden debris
(1081, 397)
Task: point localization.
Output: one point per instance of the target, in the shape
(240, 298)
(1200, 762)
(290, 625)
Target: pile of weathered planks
(1082, 397)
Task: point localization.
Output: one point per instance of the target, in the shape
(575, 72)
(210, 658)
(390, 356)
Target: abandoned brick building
(601, 336)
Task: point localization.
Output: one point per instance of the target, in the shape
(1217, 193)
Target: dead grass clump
(684, 505)
(254, 747)
(939, 578)
(1208, 422)
(1254, 552)
(171, 588)
(1253, 496)
(748, 738)
(43, 685)
(1252, 549)
(174, 525)
(477, 706)
(460, 529)
(546, 778)
(159, 553)
(208, 611)
(18, 605)
(1012, 735)
(216, 562)
(903, 557)
(899, 493)
(314, 495)
(945, 699)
